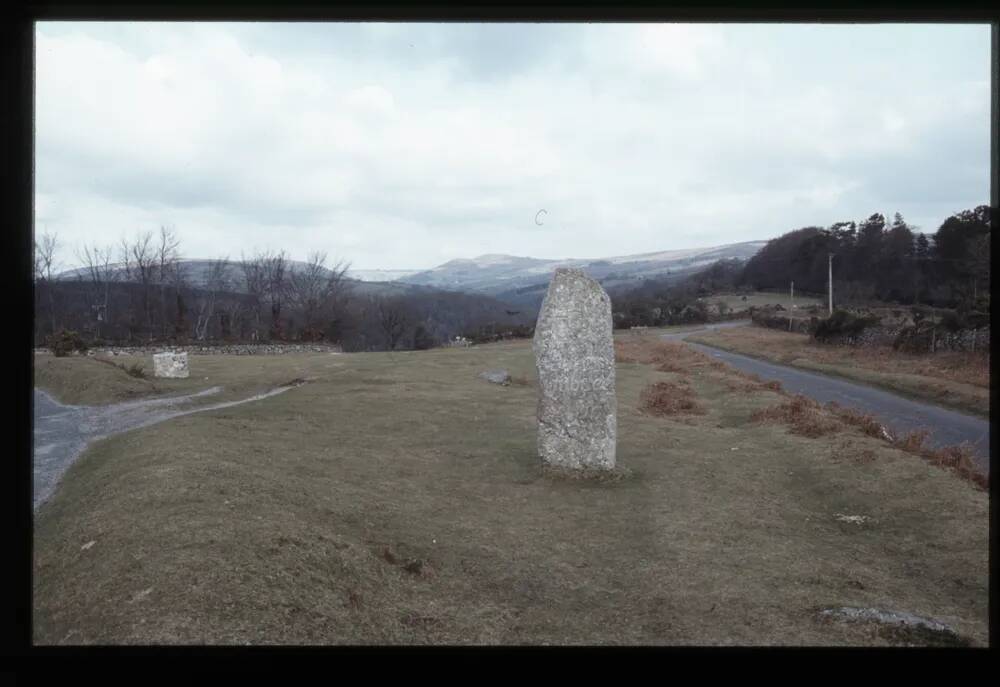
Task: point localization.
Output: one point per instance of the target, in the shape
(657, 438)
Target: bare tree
(179, 282)
(338, 293)
(45, 256)
(138, 263)
(253, 274)
(99, 275)
(167, 256)
(267, 281)
(307, 292)
(276, 289)
(393, 318)
(319, 294)
(45, 266)
(125, 260)
(126, 270)
(215, 282)
(142, 263)
(231, 319)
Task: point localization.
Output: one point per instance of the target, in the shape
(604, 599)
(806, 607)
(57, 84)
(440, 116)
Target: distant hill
(445, 313)
(379, 275)
(514, 276)
(520, 282)
(196, 275)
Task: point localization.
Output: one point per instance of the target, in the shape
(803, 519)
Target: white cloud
(372, 100)
(400, 146)
(681, 49)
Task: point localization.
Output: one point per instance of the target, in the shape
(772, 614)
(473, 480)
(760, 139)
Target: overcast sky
(406, 145)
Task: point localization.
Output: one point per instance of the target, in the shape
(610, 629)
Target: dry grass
(76, 380)
(859, 455)
(134, 370)
(959, 366)
(914, 441)
(624, 352)
(668, 356)
(808, 418)
(956, 379)
(616, 474)
(270, 522)
(802, 415)
(672, 366)
(855, 418)
(960, 458)
(748, 382)
(665, 399)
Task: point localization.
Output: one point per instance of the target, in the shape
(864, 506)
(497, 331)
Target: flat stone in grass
(905, 628)
(501, 377)
(170, 365)
(574, 354)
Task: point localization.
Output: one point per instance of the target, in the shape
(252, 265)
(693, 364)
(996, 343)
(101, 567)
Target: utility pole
(791, 305)
(831, 283)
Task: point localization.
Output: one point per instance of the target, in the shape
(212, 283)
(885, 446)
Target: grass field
(397, 498)
(80, 380)
(954, 379)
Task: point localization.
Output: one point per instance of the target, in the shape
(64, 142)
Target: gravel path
(62, 432)
(900, 415)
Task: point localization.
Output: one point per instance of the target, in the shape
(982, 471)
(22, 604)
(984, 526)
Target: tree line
(872, 262)
(141, 291)
(669, 300)
(878, 261)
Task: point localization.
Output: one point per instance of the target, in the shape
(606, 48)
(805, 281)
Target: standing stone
(575, 357)
(170, 365)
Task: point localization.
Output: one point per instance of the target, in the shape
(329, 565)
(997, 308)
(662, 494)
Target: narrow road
(62, 432)
(900, 415)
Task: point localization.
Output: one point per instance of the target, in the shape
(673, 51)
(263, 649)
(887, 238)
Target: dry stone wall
(221, 349)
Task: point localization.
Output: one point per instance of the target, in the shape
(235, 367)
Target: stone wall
(220, 349)
(897, 332)
(923, 339)
(880, 335)
(778, 319)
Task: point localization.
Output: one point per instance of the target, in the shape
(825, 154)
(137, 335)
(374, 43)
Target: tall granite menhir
(575, 357)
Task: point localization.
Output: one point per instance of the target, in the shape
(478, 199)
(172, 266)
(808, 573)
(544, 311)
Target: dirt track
(62, 432)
